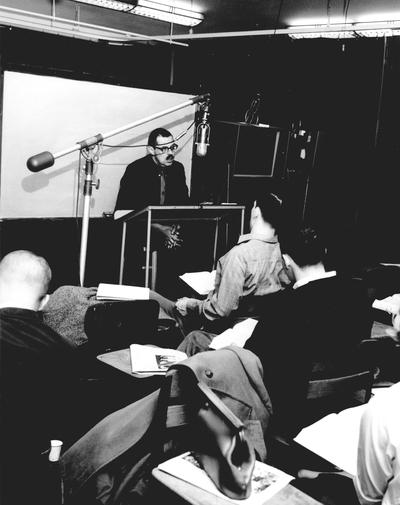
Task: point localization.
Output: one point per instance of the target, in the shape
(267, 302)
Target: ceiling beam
(71, 28)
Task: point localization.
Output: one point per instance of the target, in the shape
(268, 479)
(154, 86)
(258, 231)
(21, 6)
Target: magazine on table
(151, 359)
(121, 292)
(266, 480)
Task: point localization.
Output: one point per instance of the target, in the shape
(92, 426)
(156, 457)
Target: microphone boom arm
(46, 159)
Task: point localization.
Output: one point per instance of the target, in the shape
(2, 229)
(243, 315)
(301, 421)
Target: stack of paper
(121, 292)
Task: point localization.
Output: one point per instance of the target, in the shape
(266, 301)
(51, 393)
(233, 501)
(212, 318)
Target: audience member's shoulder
(66, 296)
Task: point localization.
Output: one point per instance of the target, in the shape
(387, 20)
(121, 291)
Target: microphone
(40, 161)
(203, 131)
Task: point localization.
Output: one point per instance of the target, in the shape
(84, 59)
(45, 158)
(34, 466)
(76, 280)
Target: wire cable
(179, 136)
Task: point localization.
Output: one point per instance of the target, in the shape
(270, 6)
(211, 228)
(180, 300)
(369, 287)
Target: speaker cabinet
(240, 159)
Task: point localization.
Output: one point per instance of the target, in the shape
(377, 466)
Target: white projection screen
(43, 113)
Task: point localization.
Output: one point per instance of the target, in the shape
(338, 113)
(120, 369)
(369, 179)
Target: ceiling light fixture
(156, 10)
(385, 25)
(323, 35)
(345, 30)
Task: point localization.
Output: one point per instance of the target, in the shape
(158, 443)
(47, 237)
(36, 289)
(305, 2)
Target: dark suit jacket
(308, 333)
(140, 185)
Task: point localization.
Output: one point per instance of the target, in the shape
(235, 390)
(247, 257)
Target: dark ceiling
(219, 15)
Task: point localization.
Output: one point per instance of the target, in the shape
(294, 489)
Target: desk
(121, 360)
(131, 385)
(289, 495)
(165, 213)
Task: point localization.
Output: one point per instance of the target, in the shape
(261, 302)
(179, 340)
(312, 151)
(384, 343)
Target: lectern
(160, 213)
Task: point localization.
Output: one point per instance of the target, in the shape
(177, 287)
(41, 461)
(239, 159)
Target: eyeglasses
(165, 149)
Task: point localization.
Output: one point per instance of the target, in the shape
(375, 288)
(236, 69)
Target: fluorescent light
(155, 10)
(346, 30)
(336, 31)
(110, 4)
(167, 13)
(322, 35)
(376, 33)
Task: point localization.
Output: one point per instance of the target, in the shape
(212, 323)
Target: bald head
(24, 280)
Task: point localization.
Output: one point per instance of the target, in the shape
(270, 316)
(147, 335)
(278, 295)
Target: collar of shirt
(256, 236)
(315, 277)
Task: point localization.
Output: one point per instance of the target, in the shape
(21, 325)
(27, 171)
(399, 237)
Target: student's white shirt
(378, 463)
(315, 277)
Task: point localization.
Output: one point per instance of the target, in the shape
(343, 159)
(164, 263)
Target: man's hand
(185, 305)
(171, 234)
(173, 238)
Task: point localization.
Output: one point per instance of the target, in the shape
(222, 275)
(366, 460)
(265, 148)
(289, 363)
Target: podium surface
(170, 213)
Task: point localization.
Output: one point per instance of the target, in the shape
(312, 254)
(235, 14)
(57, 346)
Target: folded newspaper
(151, 359)
(121, 292)
(266, 480)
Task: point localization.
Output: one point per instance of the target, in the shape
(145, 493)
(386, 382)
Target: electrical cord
(145, 145)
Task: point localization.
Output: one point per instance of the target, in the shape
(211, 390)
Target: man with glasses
(156, 179)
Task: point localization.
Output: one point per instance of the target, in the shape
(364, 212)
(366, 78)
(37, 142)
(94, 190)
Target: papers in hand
(121, 292)
(201, 282)
(266, 480)
(151, 359)
(238, 335)
(390, 304)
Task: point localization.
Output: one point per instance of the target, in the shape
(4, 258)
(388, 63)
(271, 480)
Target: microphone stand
(91, 149)
(92, 156)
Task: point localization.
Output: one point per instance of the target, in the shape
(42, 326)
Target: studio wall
(42, 113)
(348, 90)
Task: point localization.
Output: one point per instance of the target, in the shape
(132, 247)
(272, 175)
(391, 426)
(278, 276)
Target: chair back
(325, 396)
(115, 325)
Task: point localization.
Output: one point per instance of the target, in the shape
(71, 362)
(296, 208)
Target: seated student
(378, 469)
(251, 269)
(314, 330)
(36, 367)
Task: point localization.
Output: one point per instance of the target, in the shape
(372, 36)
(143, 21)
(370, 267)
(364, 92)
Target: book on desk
(148, 359)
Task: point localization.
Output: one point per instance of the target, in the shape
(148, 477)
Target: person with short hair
(36, 370)
(313, 332)
(156, 179)
(248, 272)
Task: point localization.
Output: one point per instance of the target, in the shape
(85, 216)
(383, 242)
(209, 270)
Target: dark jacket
(311, 332)
(140, 185)
(38, 390)
(113, 461)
